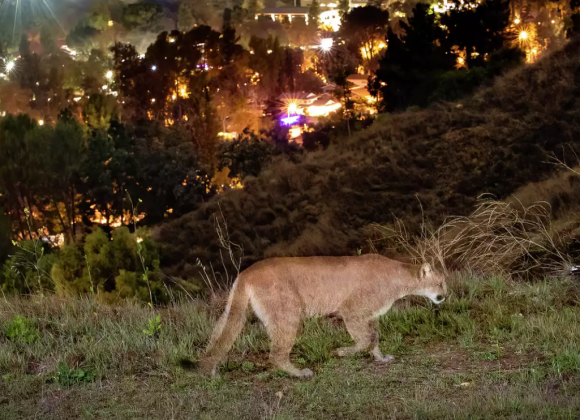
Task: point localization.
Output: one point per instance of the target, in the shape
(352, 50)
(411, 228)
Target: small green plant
(21, 329)
(31, 258)
(248, 366)
(68, 377)
(154, 326)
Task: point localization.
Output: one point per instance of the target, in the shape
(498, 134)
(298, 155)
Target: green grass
(494, 349)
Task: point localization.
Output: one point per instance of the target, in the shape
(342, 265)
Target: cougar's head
(432, 284)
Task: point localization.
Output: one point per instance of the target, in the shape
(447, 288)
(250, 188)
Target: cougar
(284, 290)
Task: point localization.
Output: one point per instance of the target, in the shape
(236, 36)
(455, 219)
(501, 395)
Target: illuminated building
(323, 106)
(329, 14)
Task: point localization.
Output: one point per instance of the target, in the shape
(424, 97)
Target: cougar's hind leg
(282, 334)
(282, 321)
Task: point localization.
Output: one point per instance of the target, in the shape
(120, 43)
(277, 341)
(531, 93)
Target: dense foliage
(418, 68)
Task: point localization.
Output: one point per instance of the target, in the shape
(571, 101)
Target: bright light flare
(19, 15)
(10, 66)
(326, 44)
(109, 75)
(526, 38)
(41, 122)
(290, 106)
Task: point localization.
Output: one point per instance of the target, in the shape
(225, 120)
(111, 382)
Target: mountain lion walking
(284, 290)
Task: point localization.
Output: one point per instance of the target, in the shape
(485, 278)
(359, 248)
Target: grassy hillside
(436, 161)
(494, 349)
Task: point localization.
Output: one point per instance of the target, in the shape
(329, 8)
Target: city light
(109, 75)
(40, 122)
(154, 68)
(290, 120)
(295, 132)
(523, 35)
(292, 108)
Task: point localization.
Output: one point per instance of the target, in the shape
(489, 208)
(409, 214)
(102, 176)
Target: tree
(266, 61)
(5, 237)
(574, 29)
(47, 40)
(156, 164)
(365, 27)
(314, 13)
(99, 110)
(99, 15)
(142, 16)
(185, 19)
(343, 7)
(409, 69)
(254, 7)
(18, 176)
(341, 65)
(58, 153)
(24, 46)
(83, 38)
(477, 31)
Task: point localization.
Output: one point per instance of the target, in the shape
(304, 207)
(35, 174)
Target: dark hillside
(438, 161)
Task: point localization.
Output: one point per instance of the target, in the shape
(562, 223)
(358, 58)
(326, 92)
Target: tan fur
(284, 290)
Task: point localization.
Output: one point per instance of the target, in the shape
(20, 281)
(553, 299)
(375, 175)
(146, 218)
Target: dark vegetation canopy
(415, 165)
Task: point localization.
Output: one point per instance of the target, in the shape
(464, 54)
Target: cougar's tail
(227, 328)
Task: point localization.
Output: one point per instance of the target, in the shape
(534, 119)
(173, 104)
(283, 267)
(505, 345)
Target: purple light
(290, 120)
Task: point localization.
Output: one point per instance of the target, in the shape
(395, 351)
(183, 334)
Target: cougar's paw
(306, 373)
(208, 368)
(384, 359)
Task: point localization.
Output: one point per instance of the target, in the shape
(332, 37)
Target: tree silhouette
(365, 27)
(477, 31)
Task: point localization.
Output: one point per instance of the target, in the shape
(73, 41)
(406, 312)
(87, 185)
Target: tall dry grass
(497, 238)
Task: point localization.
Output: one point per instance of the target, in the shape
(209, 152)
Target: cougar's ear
(425, 270)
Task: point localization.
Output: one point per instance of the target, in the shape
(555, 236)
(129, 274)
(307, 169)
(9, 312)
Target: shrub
(28, 269)
(21, 329)
(68, 377)
(245, 156)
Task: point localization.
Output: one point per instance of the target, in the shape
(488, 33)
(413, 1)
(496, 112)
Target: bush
(110, 267)
(247, 155)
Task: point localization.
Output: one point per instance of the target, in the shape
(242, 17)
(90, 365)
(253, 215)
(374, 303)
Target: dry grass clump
(498, 237)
